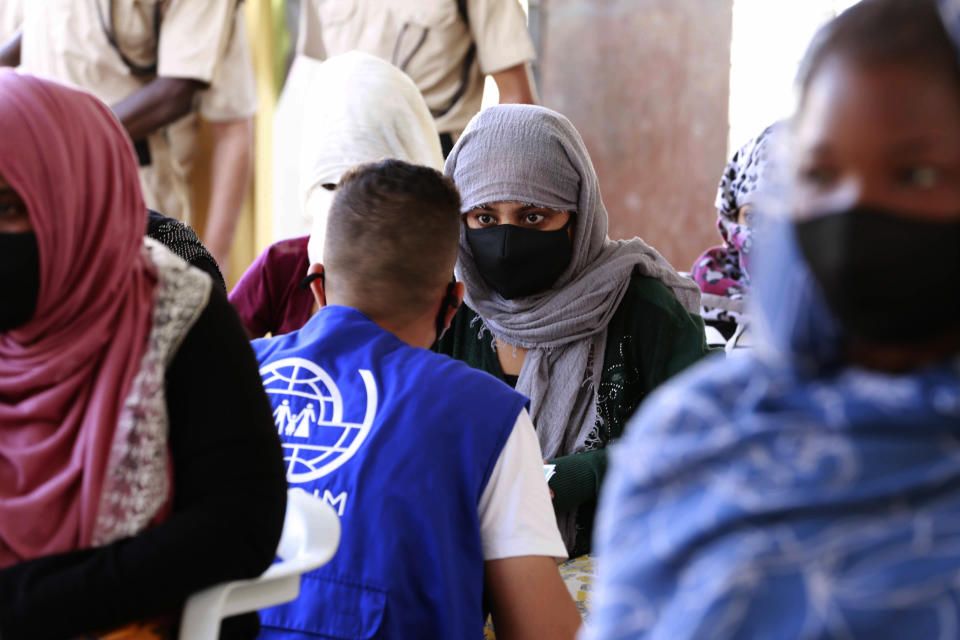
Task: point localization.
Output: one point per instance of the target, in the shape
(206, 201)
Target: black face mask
(19, 278)
(517, 262)
(888, 278)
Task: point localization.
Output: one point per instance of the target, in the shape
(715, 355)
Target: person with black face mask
(138, 459)
(811, 489)
(583, 325)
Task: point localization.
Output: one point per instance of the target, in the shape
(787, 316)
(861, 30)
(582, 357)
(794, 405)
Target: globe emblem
(309, 414)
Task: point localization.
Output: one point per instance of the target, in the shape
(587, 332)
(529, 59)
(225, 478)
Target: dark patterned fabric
(184, 243)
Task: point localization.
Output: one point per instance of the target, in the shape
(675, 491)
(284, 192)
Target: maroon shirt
(268, 297)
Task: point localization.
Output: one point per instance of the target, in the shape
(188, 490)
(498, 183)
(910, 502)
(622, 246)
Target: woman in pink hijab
(138, 458)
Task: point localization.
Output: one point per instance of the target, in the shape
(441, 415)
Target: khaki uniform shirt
(65, 40)
(428, 40)
(232, 96)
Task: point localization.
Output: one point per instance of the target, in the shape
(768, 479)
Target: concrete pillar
(647, 84)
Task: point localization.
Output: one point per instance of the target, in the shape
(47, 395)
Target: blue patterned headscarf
(784, 493)
(778, 495)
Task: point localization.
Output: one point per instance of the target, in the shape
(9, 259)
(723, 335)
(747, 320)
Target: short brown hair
(392, 237)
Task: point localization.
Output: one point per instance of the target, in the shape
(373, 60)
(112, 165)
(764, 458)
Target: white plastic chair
(311, 535)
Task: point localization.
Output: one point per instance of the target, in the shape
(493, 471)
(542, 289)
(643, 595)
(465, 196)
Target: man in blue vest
(434, 467)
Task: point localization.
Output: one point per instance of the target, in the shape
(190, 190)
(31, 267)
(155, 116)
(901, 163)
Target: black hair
(392, 237)
(882, 32)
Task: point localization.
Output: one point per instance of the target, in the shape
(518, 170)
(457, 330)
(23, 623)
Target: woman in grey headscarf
(583, 325)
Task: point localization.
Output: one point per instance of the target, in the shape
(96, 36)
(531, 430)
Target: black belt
(446, 144)
(143, 152)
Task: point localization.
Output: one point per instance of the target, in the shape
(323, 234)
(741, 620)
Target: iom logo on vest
(308, 411)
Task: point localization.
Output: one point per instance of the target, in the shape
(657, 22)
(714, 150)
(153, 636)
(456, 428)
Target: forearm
(529, 600)
(135, 579)
(10, 51)
(516, 85)
(156, 105)
(231, 166)
(143, 577)
(577, 480)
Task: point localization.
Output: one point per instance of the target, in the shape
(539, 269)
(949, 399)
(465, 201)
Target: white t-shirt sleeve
(516, 515)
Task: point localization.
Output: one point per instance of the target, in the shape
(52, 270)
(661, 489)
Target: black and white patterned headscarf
(723, 270)
(745, 173)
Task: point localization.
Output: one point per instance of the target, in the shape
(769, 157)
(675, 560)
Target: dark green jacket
(650, 338)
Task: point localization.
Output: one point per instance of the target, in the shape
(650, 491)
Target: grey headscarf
(534, 155)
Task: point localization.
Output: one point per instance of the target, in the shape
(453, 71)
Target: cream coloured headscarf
(359, 109)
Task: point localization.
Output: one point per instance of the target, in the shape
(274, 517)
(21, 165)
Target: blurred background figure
(723, 273)
(648, 84)
(225, 112)
(446, 47)
(158, 65)
(358, 109)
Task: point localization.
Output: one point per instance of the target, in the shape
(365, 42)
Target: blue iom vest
(401, 441)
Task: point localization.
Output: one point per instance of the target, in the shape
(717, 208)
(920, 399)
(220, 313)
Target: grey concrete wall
(647, 84)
